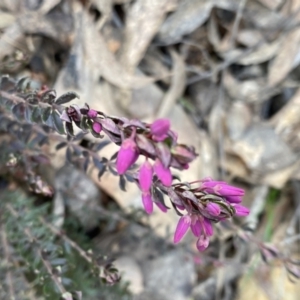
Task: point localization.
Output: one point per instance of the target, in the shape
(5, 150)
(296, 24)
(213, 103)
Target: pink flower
(196, 227)
(182, 227)
(127, 156)
(202, 243)
(221, 188)
(213, 209)
(92, 113)
(164, 174)
(241, 210)
(160, 128)
(207, 227)
(97, 127)
(147, 202)
(145, 176)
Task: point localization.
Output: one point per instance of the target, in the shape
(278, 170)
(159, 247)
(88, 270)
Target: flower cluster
(206, 203)
(199, 206)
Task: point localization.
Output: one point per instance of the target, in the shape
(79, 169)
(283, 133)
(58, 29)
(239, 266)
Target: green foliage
(50, 263)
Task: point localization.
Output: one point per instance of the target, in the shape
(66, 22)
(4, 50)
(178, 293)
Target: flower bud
(164, 174)
(241, 210)
(97, 127)
(145, 176)
(127, 156)
(160, 128)
(147, 202)
(213, 209)
(182, 227)
(202, 243)
(92, 113)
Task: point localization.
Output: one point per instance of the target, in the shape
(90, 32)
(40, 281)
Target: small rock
(171, 275)
(131, 272)
(80, 195)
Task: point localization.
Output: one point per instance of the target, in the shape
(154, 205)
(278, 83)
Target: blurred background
(226, 73)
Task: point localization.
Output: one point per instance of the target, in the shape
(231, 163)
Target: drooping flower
(159, 129)
(92, 113)
(97, 127)
(213, 208)
(210, 202)
(222, 188)
(127, 155)
(202, 243)
(147, 202)
(164, 174)
(182, 227)
(145, 176)
(240, 210)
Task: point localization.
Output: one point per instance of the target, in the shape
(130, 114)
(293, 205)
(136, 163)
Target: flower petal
(207, 227)
(213, 209)
(240, 210)
(202, 243)
(182, 227)
(147, 202)
(145, 176)
(160, 127)
(196, 228)
(127, 155)
(164, 174)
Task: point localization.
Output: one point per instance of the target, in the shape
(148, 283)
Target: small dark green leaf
(69, 154)
(61, 145)
(114, 156)
(101, 145)
(79, 136)
(122, 183)
(36, 115)
(48, 96)
(21, 84)
(84, 124)
(101, 172)
(46, 113)
(18, 110)
(86, 163)
(67, 97)
(59, 126)
(69, 128)
(113, 171)
(98, 164)
(28, 112)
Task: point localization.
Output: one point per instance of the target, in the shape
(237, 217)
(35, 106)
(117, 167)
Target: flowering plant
(209, 202)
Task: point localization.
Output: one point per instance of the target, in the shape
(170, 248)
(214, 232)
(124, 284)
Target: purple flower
(97, 127)
(145, 176)
(240, 210)
(196, 227)
(234, 199)
(160, 128)
(221, 188)
(202, 243)
(164, 174)
(207, 227)
(127, 156)
(213, 209)
(92, 113)
(147, 202)
(182, 227)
